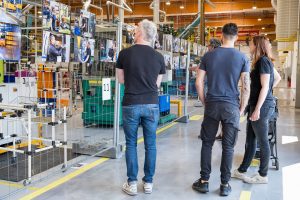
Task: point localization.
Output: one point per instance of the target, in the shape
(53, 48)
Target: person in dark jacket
(54, 50)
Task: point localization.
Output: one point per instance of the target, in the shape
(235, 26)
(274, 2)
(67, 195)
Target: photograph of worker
(84, 50)
(168, 42)
(183, 46)
(176, 62)
(168, 60)
(176, 45)
(158, 44)
(56, 47)
(76, 28)
(183, 62)
(111, 48)
(10, 42)
(87, 23)
(56, 17)
(102, 49)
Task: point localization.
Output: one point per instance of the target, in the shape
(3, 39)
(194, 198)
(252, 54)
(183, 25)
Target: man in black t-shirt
(141, 68)
(224, 67)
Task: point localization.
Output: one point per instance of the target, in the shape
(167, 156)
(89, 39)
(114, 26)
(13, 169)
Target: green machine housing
(95, 110)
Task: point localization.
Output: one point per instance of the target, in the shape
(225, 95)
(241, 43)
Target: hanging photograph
(183, 62)
(87, 24)
(159, 41)
(84, 50)
(111, 48)
(183, 46)
(102, 49)
(176, 45)
(167, 42)
(195, 49)
(10, 11)
(56, 17)
(56, 47)
(10, 42)
(176, 62)
(168, 60)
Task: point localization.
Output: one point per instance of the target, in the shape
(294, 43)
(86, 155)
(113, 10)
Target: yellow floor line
(196, 117)
(16, 185)
(76, 173)
(245, 195)
(64, 179)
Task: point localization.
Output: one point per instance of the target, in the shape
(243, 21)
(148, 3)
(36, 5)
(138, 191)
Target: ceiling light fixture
(263, 28)
(259, 19)
(254, 7)
(266, 34)
(181, 7)
(168, 3)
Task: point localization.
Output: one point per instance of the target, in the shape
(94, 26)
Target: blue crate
(164, 103)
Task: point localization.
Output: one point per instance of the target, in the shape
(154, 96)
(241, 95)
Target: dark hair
(230, 29)
(214, 43)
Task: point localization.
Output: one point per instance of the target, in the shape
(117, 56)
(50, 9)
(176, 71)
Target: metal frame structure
(30, 152)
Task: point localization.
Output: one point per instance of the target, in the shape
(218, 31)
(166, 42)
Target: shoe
(238, 175)
(130, 188)
(256, 179)
(201, 186)
(219, 137)
(225, 190)
(148, 188)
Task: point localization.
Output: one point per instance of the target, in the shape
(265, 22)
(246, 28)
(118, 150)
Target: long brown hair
(262, 48)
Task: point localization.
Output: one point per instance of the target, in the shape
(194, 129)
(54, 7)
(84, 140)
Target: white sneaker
(130, 188)
(148, 188)
(238, 175)
(256, 179)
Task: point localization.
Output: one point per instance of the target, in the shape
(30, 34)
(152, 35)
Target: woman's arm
(277, 78)
(264, 79)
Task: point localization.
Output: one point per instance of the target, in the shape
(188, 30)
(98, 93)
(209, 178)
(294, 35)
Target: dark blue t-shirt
(223, 68)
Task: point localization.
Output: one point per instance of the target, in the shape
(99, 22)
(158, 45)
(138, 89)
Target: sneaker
(219, 137)
(237, 174)
(201, 186)
(225, 190)
(130, 188)
(148, 188)
(256, 179)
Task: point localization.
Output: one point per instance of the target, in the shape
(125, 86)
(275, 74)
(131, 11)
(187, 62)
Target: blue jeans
(229, 115)
(147, 115)
(258, 131)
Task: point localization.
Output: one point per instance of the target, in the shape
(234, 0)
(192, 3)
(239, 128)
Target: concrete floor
(178, 166)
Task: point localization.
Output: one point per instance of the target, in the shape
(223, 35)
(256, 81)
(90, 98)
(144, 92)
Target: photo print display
(183, 62)
(199, 50)
(102, 49)
(87, 24)
(111, 48)
(159, 41)
(176, 45)
(168, 60)
(167, 42)
(183, 46)
(84, 50)
(56, 47)
(56, 17)
(10, 42)
(176, 62)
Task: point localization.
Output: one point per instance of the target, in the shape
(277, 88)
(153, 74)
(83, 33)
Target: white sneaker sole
(129, 193)
(147, 191)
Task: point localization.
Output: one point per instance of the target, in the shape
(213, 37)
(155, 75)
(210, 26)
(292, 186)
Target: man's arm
(200, 84)
(245, 91)
(120, 75)
(159, 79)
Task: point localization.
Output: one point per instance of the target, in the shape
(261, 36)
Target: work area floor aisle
(178, 166)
